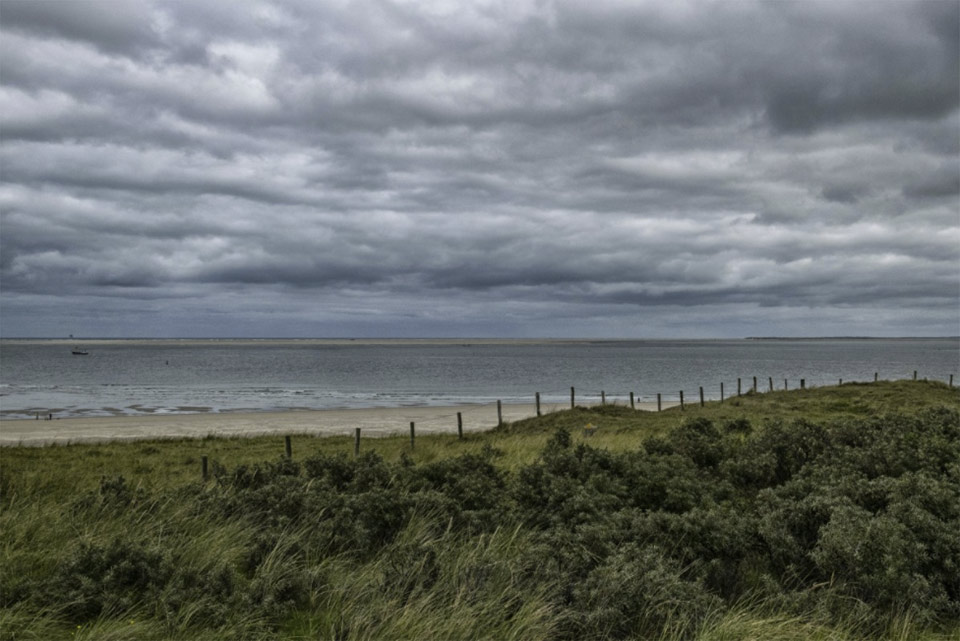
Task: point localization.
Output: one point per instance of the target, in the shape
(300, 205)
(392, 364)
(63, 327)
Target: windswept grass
(820, 514)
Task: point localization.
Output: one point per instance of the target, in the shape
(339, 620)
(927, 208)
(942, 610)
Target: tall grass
(429, 585)
(701, 524)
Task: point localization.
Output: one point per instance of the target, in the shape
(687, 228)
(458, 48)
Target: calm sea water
(138, 377)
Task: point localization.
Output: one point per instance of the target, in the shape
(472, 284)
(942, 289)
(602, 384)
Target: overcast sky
(555, 169)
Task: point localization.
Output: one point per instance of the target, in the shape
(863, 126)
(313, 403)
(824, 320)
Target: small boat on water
(79, 352)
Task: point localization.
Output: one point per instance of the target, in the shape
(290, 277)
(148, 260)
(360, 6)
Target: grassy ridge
(828, 513)
(173, 462)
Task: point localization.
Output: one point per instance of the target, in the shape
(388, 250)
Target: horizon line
(474, 338)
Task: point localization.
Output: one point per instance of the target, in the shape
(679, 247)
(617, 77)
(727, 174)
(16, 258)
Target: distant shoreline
(302, 341)
(852, 338)
(466, 341)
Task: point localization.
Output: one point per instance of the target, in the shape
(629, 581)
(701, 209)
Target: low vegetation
(817, 514)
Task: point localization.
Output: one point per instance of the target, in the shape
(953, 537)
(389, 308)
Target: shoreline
(461, 341)
(201, 342)
(378, 422)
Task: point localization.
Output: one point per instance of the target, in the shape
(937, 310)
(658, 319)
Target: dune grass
(678, 524)
(172, 462)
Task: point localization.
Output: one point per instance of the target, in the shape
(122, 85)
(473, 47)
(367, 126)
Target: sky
(601, 169)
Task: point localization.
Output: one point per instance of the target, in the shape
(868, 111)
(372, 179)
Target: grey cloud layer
(515, 168)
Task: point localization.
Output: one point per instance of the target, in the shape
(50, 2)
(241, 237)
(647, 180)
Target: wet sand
(342, 422)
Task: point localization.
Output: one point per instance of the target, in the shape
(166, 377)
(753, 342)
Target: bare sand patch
(338, 422)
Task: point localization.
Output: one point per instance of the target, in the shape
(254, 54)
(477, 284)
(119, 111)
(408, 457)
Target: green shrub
(878, 560)
(856, 523)
(639, 593)
(108, 579)
(698, 440)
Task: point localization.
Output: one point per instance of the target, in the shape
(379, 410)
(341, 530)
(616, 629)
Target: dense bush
(624, 545)
(639, 593)
(877, 516)
(109, 579)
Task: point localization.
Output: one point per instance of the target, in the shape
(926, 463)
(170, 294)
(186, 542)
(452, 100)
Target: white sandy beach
(341, 422)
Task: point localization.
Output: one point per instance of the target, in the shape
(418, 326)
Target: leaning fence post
(499, 415)
(412, 435)
(572, 403)
(681, 400)
(356, 442)
(658, 401)
(538, 403)
(701, 396)
(287, 446)
(633, 407)
(460, 426)
(203, 467)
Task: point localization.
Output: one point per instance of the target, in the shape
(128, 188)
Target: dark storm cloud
(888, 65)
(944, 183)
(119, 27)
(541, 168)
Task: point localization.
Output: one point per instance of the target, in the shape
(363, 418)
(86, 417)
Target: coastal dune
(334, 422)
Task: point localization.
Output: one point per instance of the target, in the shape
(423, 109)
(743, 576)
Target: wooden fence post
(499, 415)
(951, 381)
(914, 374)
(754, 384)
(412, 435)
(803, 383)
(632, 406)
(721, 392)
(203, 467)
(681, 400)
(840, 383)
(785, 385)
(658, 401)
(538, 403)
(460, 426)
(701, 396)
(356, 442)
(738, 387)
(875, 376)
(572, 403)
(287, 446)
(771, 383)
(603, 397)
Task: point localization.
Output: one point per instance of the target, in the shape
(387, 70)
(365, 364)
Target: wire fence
(718, 391)
(556, 399)
(466, 415)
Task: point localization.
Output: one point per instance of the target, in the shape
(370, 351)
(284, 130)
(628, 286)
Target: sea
(141, 377)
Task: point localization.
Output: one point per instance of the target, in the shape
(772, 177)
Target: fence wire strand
(559, 399)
